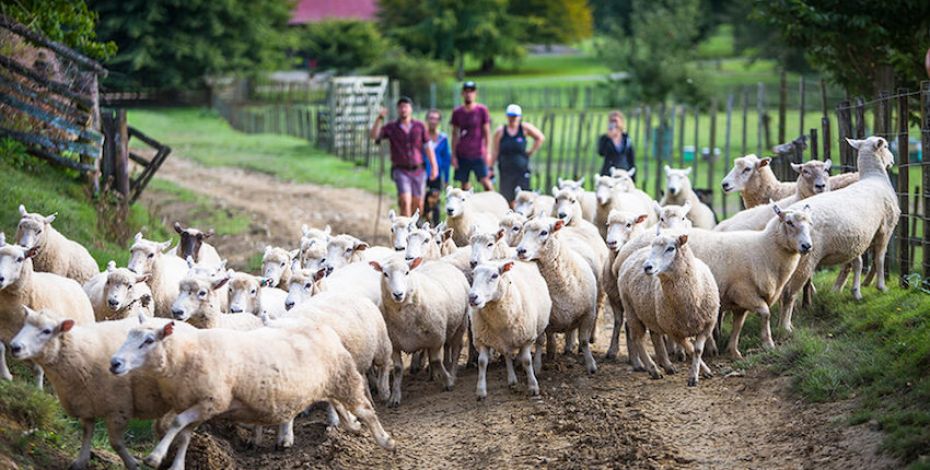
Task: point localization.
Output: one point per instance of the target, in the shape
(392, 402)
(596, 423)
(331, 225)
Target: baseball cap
(514, 110)
(469, 85)
(404, 99)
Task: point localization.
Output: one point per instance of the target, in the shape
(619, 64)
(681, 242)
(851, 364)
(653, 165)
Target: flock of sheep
(178, 338)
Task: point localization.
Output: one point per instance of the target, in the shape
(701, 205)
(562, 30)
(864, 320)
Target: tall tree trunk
(487, 64)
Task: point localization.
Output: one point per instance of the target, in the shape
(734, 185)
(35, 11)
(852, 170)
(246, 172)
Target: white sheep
(670, 291)
(312, 257)
(56, 253)
(118, 293)
(615, 193)
(276, 265)
(849, 221)
(571, 281)
(251, 294)
(198, 304)
(192, 245)
(669, 217)
(424, 308)
(343, 250)
(511, 313)
(429, 243)
(356, 278)
(462, 216)
(310, 236)
(78, 357)
(752, 267)
(753, 178)
(488, 201)
(531, 204)
(20, 285)
(587, 199)
(678, 191)
(400, 227)
(165, 272)
(488, 246)
(512, 224)
(262, 377)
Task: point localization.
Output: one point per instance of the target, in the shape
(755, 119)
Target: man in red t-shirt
(407, 137)
(471, 131)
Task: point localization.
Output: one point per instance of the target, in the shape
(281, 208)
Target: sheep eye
(253, 291)
(151, 255)
(746, 170)
(47, 331)
(20, 259)
(392, 229)
(544, 233)
(629, 225)
(516, 229)
(790, 223)
(385, 275)
(148, 341)
(308, 286)
(490, 245)
(495, 276)
(282, 264)
(38, 231)
(202, 293)
(670, 249)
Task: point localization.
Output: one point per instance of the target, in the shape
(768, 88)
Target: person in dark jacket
(615, 146)
(510, 153)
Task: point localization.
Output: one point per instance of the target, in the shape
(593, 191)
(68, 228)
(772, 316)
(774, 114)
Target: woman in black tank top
(511, 154)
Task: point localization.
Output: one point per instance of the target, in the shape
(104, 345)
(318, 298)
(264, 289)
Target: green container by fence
(689, 153)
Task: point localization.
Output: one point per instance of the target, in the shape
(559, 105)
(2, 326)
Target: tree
(864, 46)
(656, 52)
(66, 21)
(175, 45)
(343, 45)
(554, 21)
(757, 39)
(447, 30)
(610, 14)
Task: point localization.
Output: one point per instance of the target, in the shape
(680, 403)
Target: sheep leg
(482, 388)
(570, 342)
(615, 334)
(802, 273)
(455, 349)
(346, 421)
(332, 416)
(881, 246)
(384, 381)
(416, 362)
(40, 376)
(511, 375)
(438, 370)
(739, 317)
(181, 421)
(285, 435)
(537, 356)
(695, 351)
(658, 344)
(526, 360)
(84, 454)
(584, 340)
(4, 369)
(638, 331)
(180, 454)
(764, 316)
(550, 346)
(857, 278)
(841, 278)
(398, 377)
(366, 413)
(115, 430)
(472, 351)
(632, 354)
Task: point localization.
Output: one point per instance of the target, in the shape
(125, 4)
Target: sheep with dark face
(192, 244)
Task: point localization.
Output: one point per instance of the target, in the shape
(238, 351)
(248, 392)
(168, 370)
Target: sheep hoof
(736, 355)
(592, 369)
(394, 402)
(389, 444)
(77, 465)
(152, 461)
(611, 355)
(534, 391)
(655, 375)
(692, 381)
(481, 397)
(670, 370)
(637, 368)
(6, 376)
(857, 294)
(707, 374)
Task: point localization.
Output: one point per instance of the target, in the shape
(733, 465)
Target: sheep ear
(327, 230)
(765, 162)
(111, 266)
(581, 182)
(293, 253)
(138, 236)
(631, 171)
(656, 207)
(470, 191)
(506, 267)
(51, 218)
(22, 210)
(65, 326)
(642, 218)
(415, 217)
(415, 263)
(267, 250)
(517, 190)
(178, 228)
(219, 282)
(686, 206)
(560, 181)
(165, 245)
(376, 266)
(854, 143)
(827, 164)
(209, 234)
(555, 190)
(500, 234)
(319, 275)
(668, 169)
(447, 233)
(687, 171)
(304, 229)
(2, 239)
(392, 215)
(613, 172)
(879, 143)
(166, 331)
(32, 252)
(796, 167)
(360, 246)
(27, 311)
(777, 210)
(559, 223)
(142, 278)
(682, 239)
(448, 190)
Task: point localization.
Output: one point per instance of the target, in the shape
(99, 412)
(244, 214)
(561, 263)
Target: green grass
(718, 45)
(552, 70)
(203, 136)
(876, 351)
(224, 221)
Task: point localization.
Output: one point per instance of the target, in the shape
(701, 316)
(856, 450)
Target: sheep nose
(329, 270)
(473, 264)
(398, 295)
(726, 186)
(562, 215)
(113, 302)
(288, 304)
(2, 279)
(805, 247)
(399, 248)
(611, 243)
(473, 299)
(648, 269)
(16, 349)
(236, 309)
(115, 365)
(177, 313)
(820, 187)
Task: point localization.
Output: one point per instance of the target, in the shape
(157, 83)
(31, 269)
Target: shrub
(341, 45)
(414, 72)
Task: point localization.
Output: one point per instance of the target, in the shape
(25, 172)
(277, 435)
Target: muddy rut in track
(615, 418)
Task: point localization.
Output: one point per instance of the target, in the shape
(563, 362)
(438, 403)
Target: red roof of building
(311, 11)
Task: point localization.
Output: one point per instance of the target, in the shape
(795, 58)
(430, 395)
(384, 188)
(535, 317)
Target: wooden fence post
(726, 151)
(711, 163)
(904, 183)
(578, 145)
(844, 127)
(551, 118)
(825, 122)
(745, 104)
(647, 140)
(782, 106)
(682, 111)
(660, 140)
(760, 110)
(925, 170)
(801, 106)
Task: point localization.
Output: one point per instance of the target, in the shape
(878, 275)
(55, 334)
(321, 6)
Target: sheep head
(39, 334)
(744, 170)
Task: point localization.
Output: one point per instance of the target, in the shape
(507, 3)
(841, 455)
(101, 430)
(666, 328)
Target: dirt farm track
(613, 419)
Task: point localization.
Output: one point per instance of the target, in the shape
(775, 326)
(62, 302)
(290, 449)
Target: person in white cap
(510, 152)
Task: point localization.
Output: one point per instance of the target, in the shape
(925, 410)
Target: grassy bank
(876, 351)
(203, 136)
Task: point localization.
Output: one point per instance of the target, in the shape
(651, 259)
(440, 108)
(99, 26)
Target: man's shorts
(466, 166)
(409, 181)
